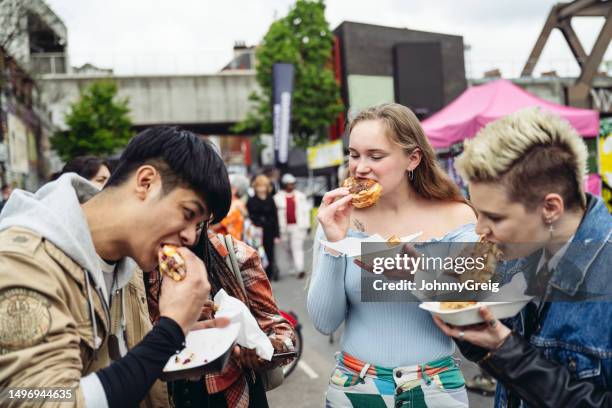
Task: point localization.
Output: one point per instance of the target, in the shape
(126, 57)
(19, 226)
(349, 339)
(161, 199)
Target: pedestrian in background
(233, 223)
(273, 174)
(92, 168)
(264, 214)
(294, 221)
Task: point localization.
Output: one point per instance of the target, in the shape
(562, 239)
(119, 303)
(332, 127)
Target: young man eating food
(67, 252)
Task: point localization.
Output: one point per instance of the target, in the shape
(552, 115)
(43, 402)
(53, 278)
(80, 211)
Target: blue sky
(197, 36)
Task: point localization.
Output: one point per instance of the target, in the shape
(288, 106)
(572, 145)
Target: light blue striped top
(388, 334)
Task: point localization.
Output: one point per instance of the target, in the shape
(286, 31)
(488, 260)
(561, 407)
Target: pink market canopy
(479, 105)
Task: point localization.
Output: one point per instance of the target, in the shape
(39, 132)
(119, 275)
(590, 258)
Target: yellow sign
(325, 155)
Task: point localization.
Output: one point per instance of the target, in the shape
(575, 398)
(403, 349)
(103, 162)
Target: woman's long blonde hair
(404, 129)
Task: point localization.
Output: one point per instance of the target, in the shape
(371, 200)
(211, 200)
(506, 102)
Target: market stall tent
(479, 105)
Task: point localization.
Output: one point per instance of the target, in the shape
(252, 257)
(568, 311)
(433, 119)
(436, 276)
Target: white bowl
(470, 315)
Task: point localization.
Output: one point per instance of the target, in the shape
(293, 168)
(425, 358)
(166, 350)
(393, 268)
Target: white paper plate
(351, 246)
(470, 315)
(203, 347)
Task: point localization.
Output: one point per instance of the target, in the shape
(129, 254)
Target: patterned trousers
(358, 384)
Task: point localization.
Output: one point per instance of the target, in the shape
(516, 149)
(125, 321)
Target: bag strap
(231, 261)
(272, 378)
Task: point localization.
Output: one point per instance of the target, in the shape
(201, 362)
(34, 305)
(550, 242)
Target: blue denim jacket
(576, 334)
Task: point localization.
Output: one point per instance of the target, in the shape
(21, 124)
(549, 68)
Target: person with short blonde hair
(263, 213)
(526, 174)
(262, 180)
(530, 145)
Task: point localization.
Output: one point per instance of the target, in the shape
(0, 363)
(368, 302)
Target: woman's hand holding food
(208, 310)
(216, 323)
(334, 214)
(248, 358)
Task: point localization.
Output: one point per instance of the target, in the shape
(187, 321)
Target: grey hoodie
(55, 213)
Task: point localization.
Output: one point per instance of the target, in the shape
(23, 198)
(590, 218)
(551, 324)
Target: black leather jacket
(529, 376)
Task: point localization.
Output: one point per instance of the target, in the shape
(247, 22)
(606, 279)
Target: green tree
(98, 123)
(302, 38)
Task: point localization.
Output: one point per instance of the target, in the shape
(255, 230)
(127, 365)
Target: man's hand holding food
(183, 300)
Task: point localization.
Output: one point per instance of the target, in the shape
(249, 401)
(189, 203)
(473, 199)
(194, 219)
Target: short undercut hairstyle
(531, 153)
(183, 159)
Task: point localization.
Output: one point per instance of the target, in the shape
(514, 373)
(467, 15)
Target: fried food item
(172, 263)
(208, 310)
(365, 192)
(456, 305)
(393, 241)
(491, 254)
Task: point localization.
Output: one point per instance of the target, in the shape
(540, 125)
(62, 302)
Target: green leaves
(302, 38)
(605, 126)
(98, 124)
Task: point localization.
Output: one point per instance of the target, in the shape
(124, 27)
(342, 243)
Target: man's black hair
(85, 166)
(183, 159)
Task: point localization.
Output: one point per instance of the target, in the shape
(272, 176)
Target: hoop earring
(411, 175)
